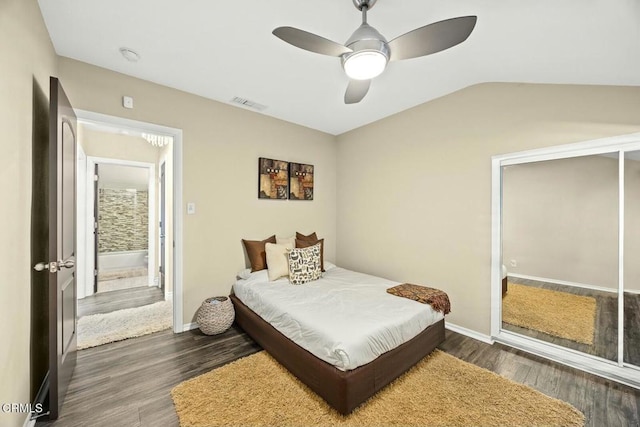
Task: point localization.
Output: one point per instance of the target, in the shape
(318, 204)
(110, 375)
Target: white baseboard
(190, 326)
(468, 332)
(567, 283)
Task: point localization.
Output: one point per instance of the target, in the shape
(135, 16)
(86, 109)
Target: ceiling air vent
(248, 103)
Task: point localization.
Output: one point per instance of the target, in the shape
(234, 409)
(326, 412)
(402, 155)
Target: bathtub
(123, 260)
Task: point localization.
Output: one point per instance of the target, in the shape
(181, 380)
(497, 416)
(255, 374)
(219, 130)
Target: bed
(346, 353)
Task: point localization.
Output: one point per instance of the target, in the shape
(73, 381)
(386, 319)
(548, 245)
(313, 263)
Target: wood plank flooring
(632, 328)
(604, 402)
(128, 383)
(106, 302)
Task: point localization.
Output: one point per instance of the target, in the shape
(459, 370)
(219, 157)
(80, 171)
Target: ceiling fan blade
(432, 38)
(356, 90)
(309, 41)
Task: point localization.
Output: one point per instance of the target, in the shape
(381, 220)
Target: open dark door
(62, 242)
(163, 222)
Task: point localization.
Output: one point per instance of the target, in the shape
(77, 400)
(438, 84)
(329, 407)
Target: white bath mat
(98, 329)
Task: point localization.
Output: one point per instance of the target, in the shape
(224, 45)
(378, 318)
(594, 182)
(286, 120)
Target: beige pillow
(277, 260)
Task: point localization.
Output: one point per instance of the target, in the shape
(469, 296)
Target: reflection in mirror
(560, 252)
(631, 257)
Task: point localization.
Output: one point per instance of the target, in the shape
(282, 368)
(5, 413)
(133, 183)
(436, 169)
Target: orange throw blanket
(438, 299)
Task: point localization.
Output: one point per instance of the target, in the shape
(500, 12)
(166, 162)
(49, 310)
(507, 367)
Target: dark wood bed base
(343, 390)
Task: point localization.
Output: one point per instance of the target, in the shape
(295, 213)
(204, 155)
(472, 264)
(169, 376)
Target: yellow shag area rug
(555, 313)
(439, 391)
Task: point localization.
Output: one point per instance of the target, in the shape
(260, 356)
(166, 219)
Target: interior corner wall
(414, 194)
(29, 60)
(221, 147)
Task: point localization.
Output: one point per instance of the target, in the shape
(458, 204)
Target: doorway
(124, 214)
(116, 264)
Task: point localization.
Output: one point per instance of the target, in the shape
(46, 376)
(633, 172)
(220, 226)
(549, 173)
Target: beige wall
(115, 146)
(28, 61)
(414, 194)
(560, 220)
(221, 147)
(632, 222)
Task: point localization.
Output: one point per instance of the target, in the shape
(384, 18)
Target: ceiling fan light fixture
(365, 65)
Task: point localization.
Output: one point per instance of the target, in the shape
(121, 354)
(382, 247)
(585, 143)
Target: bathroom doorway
(116, 140)
(122, 241)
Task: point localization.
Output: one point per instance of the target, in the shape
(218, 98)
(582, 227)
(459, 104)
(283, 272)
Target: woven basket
(215, 318)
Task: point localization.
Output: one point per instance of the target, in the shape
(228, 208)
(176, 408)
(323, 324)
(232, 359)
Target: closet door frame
(615, 370)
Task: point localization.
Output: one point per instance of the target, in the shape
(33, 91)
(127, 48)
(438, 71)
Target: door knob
(68, 263)
(54, 266)
(51, 266)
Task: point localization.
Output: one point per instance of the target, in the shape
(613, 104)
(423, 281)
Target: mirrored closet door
(566, 254)
(632, 258)
(560, 252)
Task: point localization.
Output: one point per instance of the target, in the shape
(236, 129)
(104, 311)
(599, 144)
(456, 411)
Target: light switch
(191, 208)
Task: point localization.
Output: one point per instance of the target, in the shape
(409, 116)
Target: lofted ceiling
(225, 49)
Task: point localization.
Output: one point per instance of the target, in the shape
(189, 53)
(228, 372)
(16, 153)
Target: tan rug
(98, 329)
(555, 313)
(439, 391)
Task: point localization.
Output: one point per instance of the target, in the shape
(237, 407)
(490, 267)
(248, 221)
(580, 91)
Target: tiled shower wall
(123, 220)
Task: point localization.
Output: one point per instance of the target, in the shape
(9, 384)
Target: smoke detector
(129, 54)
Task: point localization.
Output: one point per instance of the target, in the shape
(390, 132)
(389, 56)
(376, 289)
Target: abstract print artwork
(300, 181)
(273, 178)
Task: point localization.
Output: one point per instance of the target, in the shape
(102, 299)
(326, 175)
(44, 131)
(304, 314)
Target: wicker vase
(215, 318)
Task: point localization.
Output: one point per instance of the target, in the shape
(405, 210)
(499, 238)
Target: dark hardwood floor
(603, 402)
(128, 383)
(632, 328)
(106, 302)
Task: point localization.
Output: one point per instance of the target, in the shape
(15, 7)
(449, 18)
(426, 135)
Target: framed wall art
(300, 181)
(273, 179)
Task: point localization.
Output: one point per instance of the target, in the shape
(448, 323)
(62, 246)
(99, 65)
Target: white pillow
(277, 260)
(286, 240)
(244, 274)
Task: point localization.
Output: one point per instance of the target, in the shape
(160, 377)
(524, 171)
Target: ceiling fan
(366, 54)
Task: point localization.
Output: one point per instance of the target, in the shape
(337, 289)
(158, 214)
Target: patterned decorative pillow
(304, 264)
(307, 243)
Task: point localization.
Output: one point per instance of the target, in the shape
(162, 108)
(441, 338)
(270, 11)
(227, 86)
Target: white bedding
(345, 318)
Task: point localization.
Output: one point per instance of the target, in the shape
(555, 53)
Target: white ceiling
(221, 49)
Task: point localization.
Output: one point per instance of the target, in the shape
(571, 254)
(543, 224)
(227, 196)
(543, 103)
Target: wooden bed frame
(343, 390)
